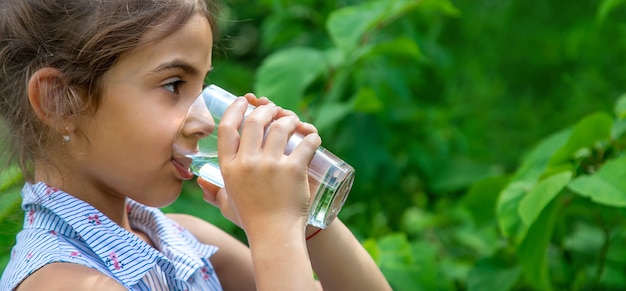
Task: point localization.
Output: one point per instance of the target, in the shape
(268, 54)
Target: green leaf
(425, 274)
(607, 186)
(492, 275)
(372, 249)
(533, 251)
(541, 195)
(443, 6)
(366, 101)
(9, 177)
(592, 129)
(401, 46)
(415, 221)
(331, 113)
(617, 251)
(585, 239)
(397, 261)
(456, 173)
(613, 278)
(507, 207)
(481, 198)
(348, 26)
(402, 277)
(619, 128)
(8, 199)
(525, 178)
(11, 219)
(536, 163)
(395, 249)
(284, 76)
(620, 106)
(606, 7)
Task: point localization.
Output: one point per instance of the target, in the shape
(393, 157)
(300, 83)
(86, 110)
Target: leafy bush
(562, 211)
(434, 103)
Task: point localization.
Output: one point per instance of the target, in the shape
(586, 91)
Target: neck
(110, 203)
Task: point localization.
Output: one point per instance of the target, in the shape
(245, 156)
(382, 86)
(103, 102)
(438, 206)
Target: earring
(66, 136)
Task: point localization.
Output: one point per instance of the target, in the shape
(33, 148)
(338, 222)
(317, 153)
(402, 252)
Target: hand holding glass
(330, 178)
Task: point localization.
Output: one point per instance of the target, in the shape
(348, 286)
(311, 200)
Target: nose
(198, 123)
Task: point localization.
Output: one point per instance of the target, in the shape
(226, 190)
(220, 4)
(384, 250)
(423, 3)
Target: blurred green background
(487, 136)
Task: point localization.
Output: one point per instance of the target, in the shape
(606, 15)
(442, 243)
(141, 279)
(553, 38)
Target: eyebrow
(180, 65)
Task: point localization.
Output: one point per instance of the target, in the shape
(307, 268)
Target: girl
(93, 93)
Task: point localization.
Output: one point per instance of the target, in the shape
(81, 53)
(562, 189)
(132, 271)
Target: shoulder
(68, 276)
(36, 249)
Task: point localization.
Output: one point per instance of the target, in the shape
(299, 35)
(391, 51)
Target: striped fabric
(60, 228)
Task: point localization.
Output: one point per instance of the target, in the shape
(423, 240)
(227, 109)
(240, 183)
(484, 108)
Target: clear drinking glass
(330, 178)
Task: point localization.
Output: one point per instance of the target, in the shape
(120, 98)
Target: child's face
(145, 98)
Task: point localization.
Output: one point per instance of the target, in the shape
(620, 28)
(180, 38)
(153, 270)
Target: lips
(181, 162)
(182, 166)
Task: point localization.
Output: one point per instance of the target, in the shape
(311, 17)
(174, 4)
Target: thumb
(209, 191)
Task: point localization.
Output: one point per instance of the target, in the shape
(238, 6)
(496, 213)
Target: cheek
(149, 125)
(126, 131)
(163, 129)
(131, 139)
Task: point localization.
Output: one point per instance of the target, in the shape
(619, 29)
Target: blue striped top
(58, 227)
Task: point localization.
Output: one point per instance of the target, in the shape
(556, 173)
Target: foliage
(10, 218)
(487, 136)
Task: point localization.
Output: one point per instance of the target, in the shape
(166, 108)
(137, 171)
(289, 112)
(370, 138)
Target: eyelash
(174, 86)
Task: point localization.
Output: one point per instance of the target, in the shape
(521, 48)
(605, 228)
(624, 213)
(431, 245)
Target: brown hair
(80, 38)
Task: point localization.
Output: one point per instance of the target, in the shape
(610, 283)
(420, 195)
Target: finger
(252, 99)
(287, 112)
(209, 191)
(228, 129)
(303, 153)
(278, 134)
(306, 128)
(222, 201)
(253, 131)
(262, 101)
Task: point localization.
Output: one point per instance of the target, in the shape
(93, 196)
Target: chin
(161, 198)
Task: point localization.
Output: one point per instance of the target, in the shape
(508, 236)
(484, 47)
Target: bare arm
(68, 276)
(280, 258)
(341, 262)
(232, 262)
(338, 259)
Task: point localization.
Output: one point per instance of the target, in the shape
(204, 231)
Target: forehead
(192, 43)
(164, 27)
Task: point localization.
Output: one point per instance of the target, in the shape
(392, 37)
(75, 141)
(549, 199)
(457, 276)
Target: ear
(46, 96)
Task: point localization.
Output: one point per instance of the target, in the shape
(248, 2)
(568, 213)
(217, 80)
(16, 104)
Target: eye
(174, 86)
